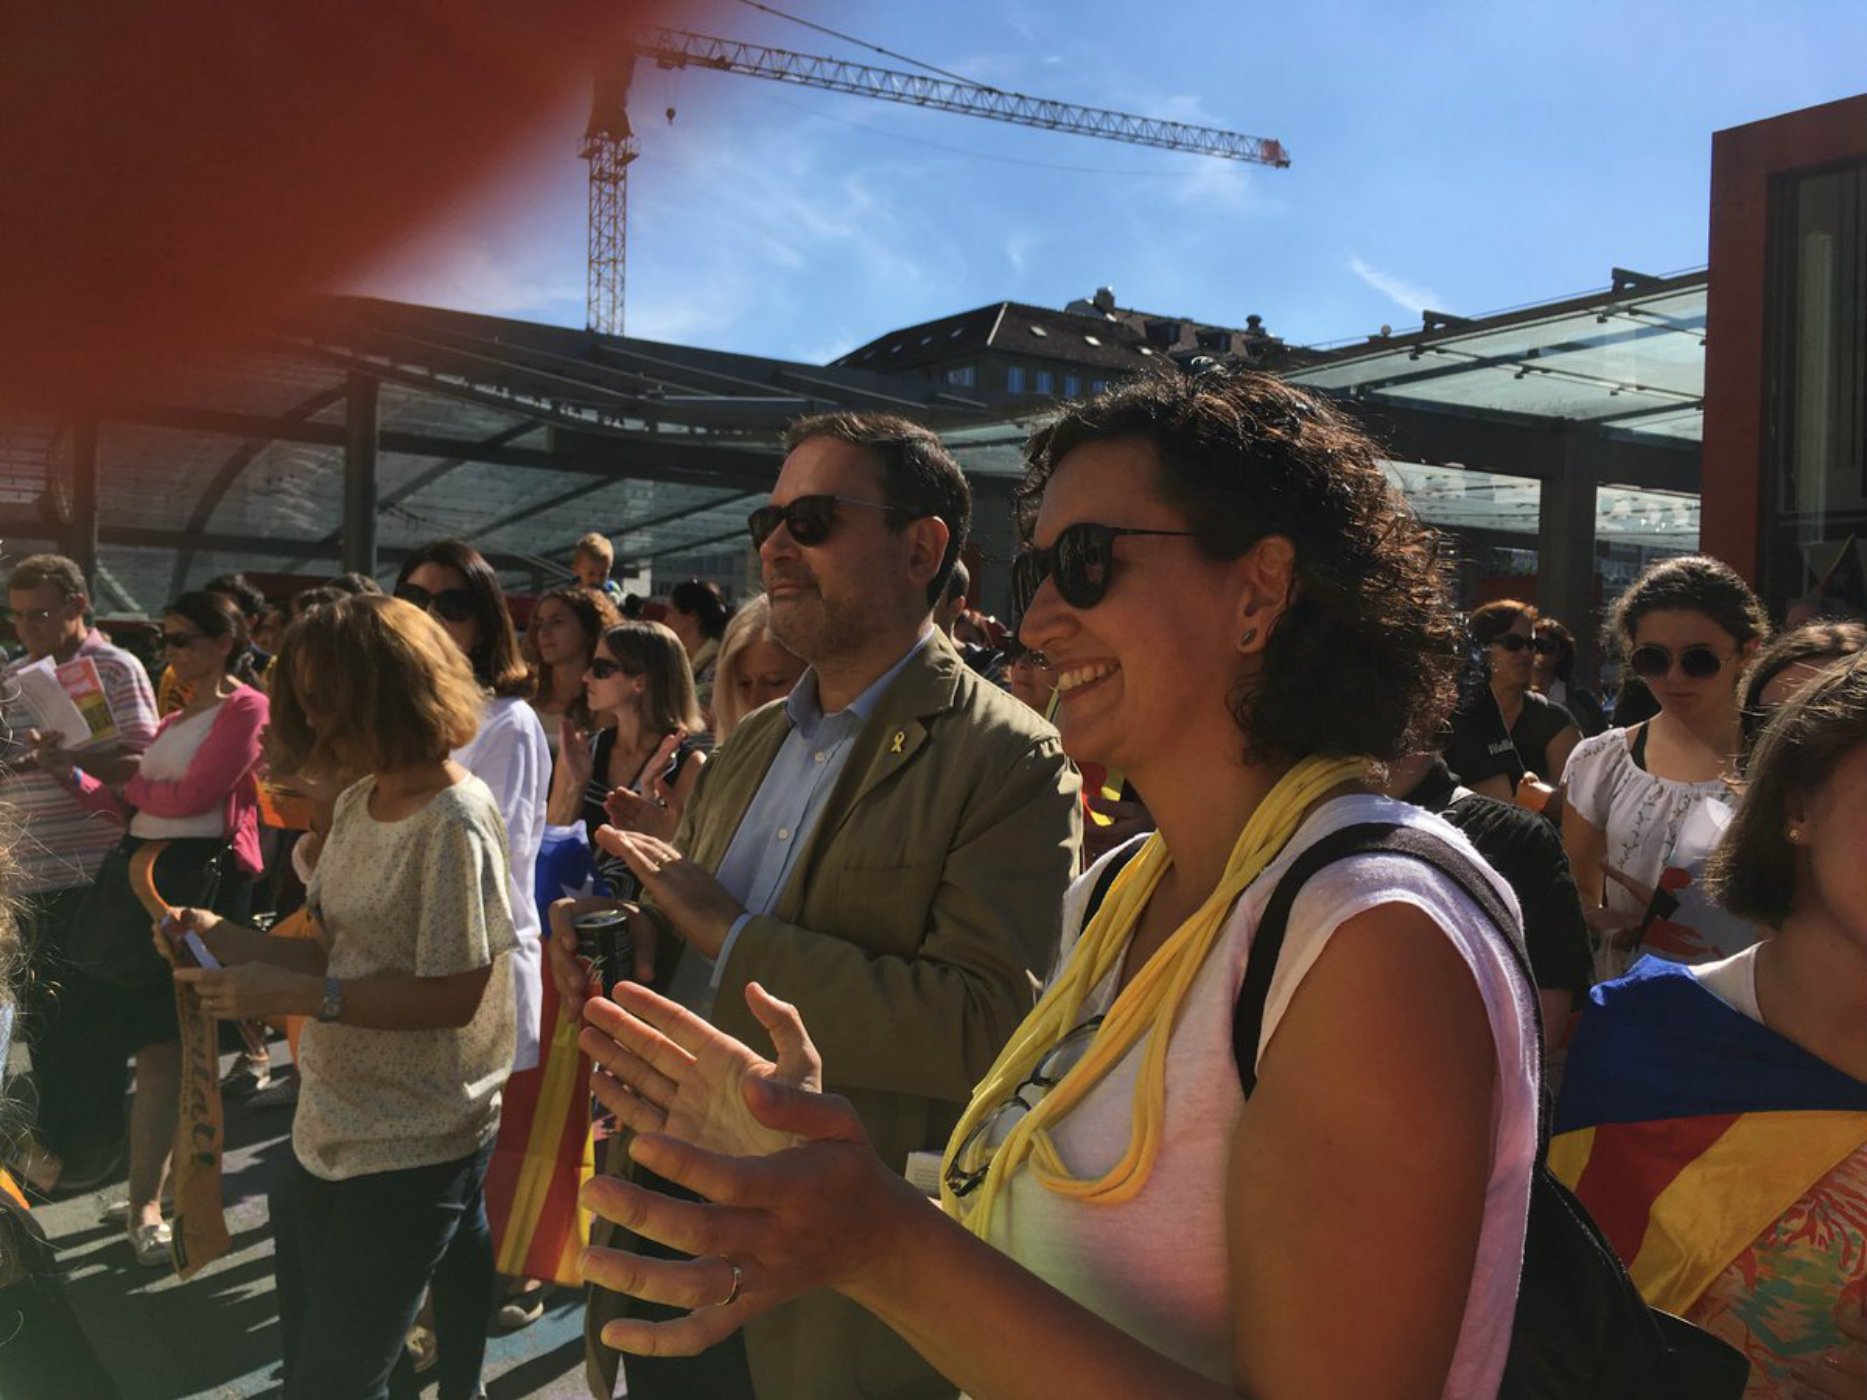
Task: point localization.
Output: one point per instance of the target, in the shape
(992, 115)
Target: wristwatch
(333, 1004)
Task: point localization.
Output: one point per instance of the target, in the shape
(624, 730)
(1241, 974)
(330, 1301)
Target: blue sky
(1463, 156)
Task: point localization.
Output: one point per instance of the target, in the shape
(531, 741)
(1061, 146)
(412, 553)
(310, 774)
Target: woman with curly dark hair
(1156, 1191)
(1646, 803)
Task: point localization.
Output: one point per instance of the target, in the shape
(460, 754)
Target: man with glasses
(887, 848)
(61, 845)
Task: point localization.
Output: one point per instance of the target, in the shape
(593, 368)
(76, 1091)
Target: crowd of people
(1166, 996)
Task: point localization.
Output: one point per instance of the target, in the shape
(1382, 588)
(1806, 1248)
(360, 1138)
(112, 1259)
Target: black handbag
(111, 937)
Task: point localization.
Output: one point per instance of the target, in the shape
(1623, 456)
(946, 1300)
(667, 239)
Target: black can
(603, 937)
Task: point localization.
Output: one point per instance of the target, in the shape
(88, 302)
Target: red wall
(1743, 160)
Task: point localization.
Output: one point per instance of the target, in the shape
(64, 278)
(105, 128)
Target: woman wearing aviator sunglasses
(193, 790)
(1238, 612)
(1647, 804)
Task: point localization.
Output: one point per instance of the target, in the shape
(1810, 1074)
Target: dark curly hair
(1688, 583)
(1366, 657)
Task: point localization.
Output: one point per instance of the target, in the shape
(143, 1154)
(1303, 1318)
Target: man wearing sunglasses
(63, 844)
(887, 848)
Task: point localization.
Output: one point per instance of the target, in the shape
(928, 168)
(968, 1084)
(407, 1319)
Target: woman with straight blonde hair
(754, 668)
(639, 769)
(408, 982)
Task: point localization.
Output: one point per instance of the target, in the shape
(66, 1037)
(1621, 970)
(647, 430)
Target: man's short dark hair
(919, 476)
(959, 584)
(55, 569)
(235, 588)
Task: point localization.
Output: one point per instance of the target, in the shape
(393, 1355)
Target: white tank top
(1158, 1266)
(167, 760)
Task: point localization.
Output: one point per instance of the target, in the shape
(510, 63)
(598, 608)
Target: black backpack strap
(1366, 838)
(1106, 880)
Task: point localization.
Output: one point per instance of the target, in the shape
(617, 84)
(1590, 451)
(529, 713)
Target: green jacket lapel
(886, 744)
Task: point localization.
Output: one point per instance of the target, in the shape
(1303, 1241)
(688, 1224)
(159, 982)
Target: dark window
(1815, 420)
(1072, 386)
(1014, 379)
(1046, 382)
(961, 375)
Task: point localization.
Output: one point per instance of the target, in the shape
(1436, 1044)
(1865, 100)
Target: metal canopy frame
(1628, 361)
(359, 427)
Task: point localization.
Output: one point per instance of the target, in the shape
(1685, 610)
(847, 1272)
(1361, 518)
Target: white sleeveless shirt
(1158, 1266)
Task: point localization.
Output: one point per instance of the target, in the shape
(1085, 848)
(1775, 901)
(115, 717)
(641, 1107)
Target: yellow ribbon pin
(900, 739)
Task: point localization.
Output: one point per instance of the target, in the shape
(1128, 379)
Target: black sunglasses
(454, 604)
(1513, 642)
(1548, 645)
(1080, 562)
(1651, 662)
(603, 668)
(809, 518)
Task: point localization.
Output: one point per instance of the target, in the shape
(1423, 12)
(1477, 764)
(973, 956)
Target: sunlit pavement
(217, 1335)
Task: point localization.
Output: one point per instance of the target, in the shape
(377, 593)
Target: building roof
(1009, 327)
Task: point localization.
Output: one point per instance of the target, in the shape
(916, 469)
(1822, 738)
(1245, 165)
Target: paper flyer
(67, 701)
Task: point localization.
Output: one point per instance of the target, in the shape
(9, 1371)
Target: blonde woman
(754, 668)
(409, 988)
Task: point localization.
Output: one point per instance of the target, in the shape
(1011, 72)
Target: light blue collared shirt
(784, 812)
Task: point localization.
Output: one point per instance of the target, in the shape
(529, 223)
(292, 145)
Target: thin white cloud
(1411, 297)
(1019, 247)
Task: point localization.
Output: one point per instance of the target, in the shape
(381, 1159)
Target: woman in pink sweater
(194, 789)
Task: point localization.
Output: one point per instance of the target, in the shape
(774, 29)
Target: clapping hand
(664, 1070)
(657, 816)
(695, 903)
(772, 1226)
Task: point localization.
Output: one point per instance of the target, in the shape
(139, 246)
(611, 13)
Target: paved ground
(217, 1334)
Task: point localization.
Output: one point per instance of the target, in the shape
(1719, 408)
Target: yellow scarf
(1148, 1004)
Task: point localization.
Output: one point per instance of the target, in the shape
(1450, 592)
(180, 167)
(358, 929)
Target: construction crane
(610, 145)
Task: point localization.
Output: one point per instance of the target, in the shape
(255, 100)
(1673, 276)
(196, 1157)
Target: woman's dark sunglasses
(1513, 642)
(1080, 561)
(454, 604)
(1651, 662)
(603, 668)
(809, 518)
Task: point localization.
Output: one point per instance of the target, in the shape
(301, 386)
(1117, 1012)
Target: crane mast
(610, 146)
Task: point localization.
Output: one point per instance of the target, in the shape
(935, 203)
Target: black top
(1527, 852)
(1479, 747)
(612, 872)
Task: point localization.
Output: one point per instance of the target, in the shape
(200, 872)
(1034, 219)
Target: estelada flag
(546, 1149)
(543, 1155)
(1686, 1128)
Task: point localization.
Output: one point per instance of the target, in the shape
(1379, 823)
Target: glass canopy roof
(1630, 359)
(522, 437)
